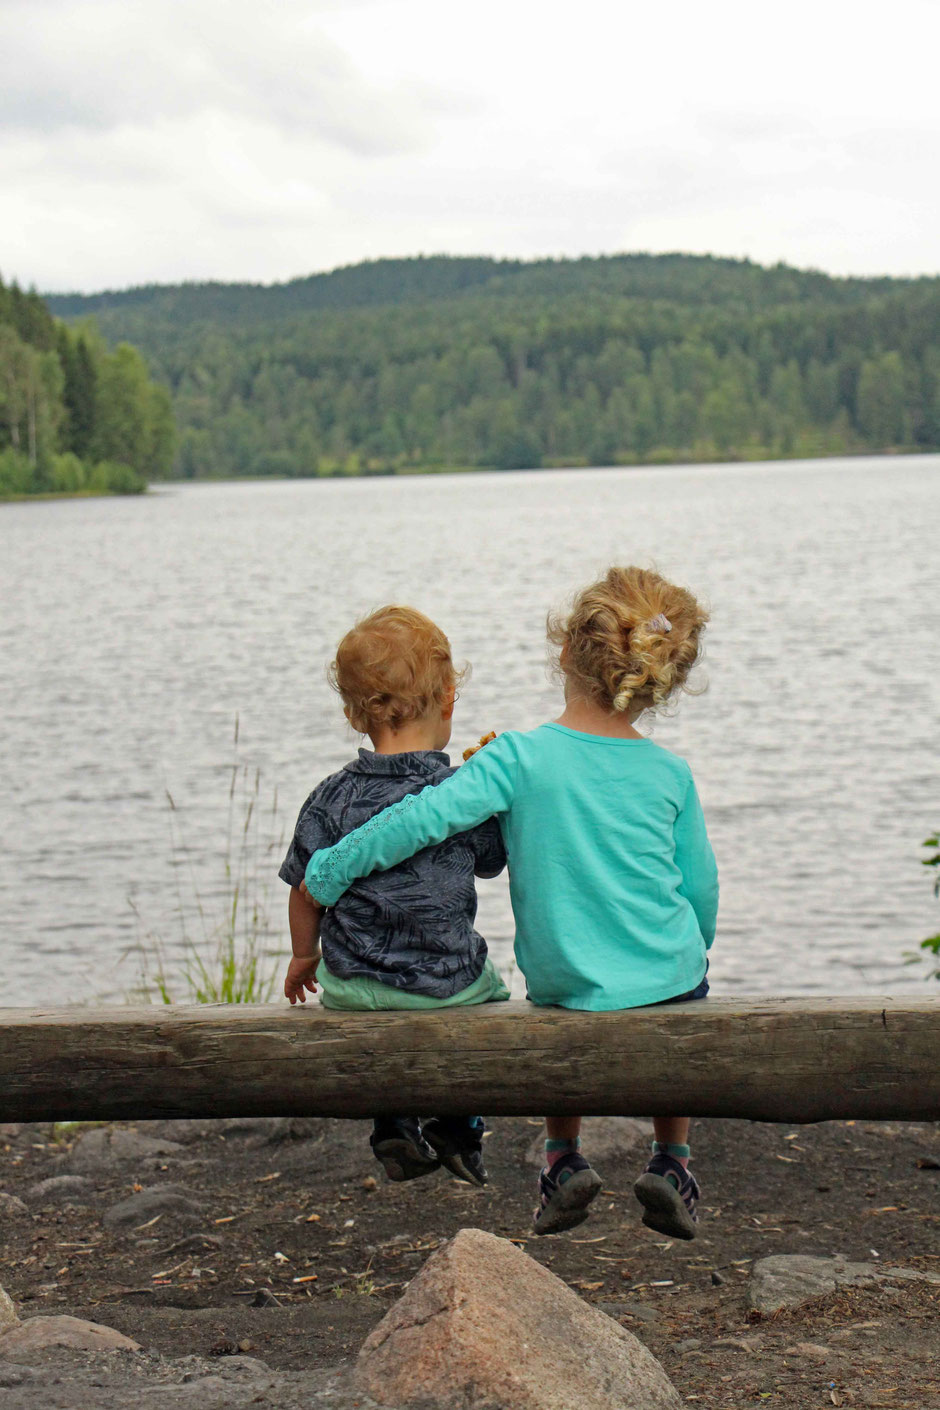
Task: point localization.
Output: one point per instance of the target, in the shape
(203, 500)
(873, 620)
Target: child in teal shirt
(613, 881)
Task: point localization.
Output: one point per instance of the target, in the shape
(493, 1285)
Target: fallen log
(766, 1059)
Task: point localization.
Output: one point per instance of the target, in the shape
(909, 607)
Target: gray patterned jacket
(410, 927)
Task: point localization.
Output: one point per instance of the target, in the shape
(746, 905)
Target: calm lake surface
(134, 631)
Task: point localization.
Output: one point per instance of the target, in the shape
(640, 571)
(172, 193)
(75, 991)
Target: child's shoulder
(336, 785)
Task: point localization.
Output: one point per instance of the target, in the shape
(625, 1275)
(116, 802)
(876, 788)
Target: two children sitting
(612, 878)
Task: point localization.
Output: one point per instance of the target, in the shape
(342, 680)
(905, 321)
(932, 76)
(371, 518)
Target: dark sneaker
(458, 1145)
(668, 1193)
(397, 1142)
(565, 1191)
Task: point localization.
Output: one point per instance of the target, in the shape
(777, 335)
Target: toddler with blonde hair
(403, 939)
(612, 877)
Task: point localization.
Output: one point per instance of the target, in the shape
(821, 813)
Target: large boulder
(485, 1327)
(23, 1340)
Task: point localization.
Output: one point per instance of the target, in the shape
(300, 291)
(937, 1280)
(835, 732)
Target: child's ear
(448, 702)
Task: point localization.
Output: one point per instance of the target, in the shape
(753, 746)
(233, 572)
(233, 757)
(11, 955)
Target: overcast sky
(158, 140)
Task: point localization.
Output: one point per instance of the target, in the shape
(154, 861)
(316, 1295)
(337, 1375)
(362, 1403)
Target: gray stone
(106, 1146)
(787, 1280)
(141, 1208)
(270, 1130)
(8, 1317)
(71, 1333)
(12, 1375)
(484, 1327)
(9, 1131)
(60, 1189)
(689, 1344)
(809, 1351)
(606, 1140)
(12, 1207)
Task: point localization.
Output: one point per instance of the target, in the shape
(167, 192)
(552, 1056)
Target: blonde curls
(630, 640)
(392, 667)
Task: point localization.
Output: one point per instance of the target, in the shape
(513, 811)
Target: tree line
(75, 417)
(410, 364)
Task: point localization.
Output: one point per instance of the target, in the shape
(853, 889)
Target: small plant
(229, 962)
(932, 944)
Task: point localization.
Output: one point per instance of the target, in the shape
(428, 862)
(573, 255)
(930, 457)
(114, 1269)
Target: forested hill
(73, 417)
(399, 364)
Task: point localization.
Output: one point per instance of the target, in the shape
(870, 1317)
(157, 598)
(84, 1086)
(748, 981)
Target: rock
(264, 1297)
(11, 1207)
(484, 1327)
(606, 1139)
(12, 1375)
(690, 1344)
(808, 1350)
(42, 1333)
(643, 1312)
(717, 1279)
(9, 1130)
(8, 1317)
(787, 1280)
(270, 1130)
(194, 1243)
(106, 1145)
(141, 1208)
(64, 1189)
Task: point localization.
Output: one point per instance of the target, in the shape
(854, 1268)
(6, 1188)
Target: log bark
(795, 1060)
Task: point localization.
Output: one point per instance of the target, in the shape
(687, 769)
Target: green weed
(230, 960)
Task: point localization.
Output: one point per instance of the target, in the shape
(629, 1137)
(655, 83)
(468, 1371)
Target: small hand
(301, 976)
(311, 900)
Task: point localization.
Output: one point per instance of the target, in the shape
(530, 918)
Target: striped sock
(679, 1153)
(554, 1150)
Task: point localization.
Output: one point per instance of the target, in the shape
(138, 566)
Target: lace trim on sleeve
(337, 858)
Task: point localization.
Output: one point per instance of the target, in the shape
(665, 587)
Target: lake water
(134, 631)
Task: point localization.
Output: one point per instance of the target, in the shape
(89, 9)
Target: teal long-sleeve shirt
(613, 881)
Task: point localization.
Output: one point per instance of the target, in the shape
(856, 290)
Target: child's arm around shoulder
(696, 861)
(481, 789)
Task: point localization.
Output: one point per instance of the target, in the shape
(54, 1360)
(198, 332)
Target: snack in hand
(484, 739)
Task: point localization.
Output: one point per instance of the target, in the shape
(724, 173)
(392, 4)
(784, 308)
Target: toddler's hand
(301, 976)
(311, 900)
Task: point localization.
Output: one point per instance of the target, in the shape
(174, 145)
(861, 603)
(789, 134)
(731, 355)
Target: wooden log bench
(767, 1059)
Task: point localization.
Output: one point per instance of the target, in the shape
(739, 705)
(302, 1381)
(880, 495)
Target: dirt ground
(297, 1217)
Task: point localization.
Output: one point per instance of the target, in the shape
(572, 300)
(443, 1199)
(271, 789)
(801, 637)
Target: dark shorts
(699, 992)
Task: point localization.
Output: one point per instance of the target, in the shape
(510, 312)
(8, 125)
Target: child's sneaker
(458, 1145)
(667, 1192)
(397, 1142)
(566, 1188)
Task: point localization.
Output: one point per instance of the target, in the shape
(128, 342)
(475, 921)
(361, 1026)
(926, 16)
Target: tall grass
(230, 959)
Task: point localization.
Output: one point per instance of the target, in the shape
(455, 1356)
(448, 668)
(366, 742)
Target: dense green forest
(75, 418)
(441, 361)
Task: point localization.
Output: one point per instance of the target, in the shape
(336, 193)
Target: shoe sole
(401, 1161)
(453, 1161)
(664, 1209)
(568, 1206)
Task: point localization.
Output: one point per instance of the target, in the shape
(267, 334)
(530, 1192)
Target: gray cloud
(95, 65)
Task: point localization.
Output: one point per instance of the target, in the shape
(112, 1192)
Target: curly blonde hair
(630, 640)
(393, 666)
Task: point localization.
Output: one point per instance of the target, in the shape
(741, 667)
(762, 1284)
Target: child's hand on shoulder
(475, 748)
(301, 976)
